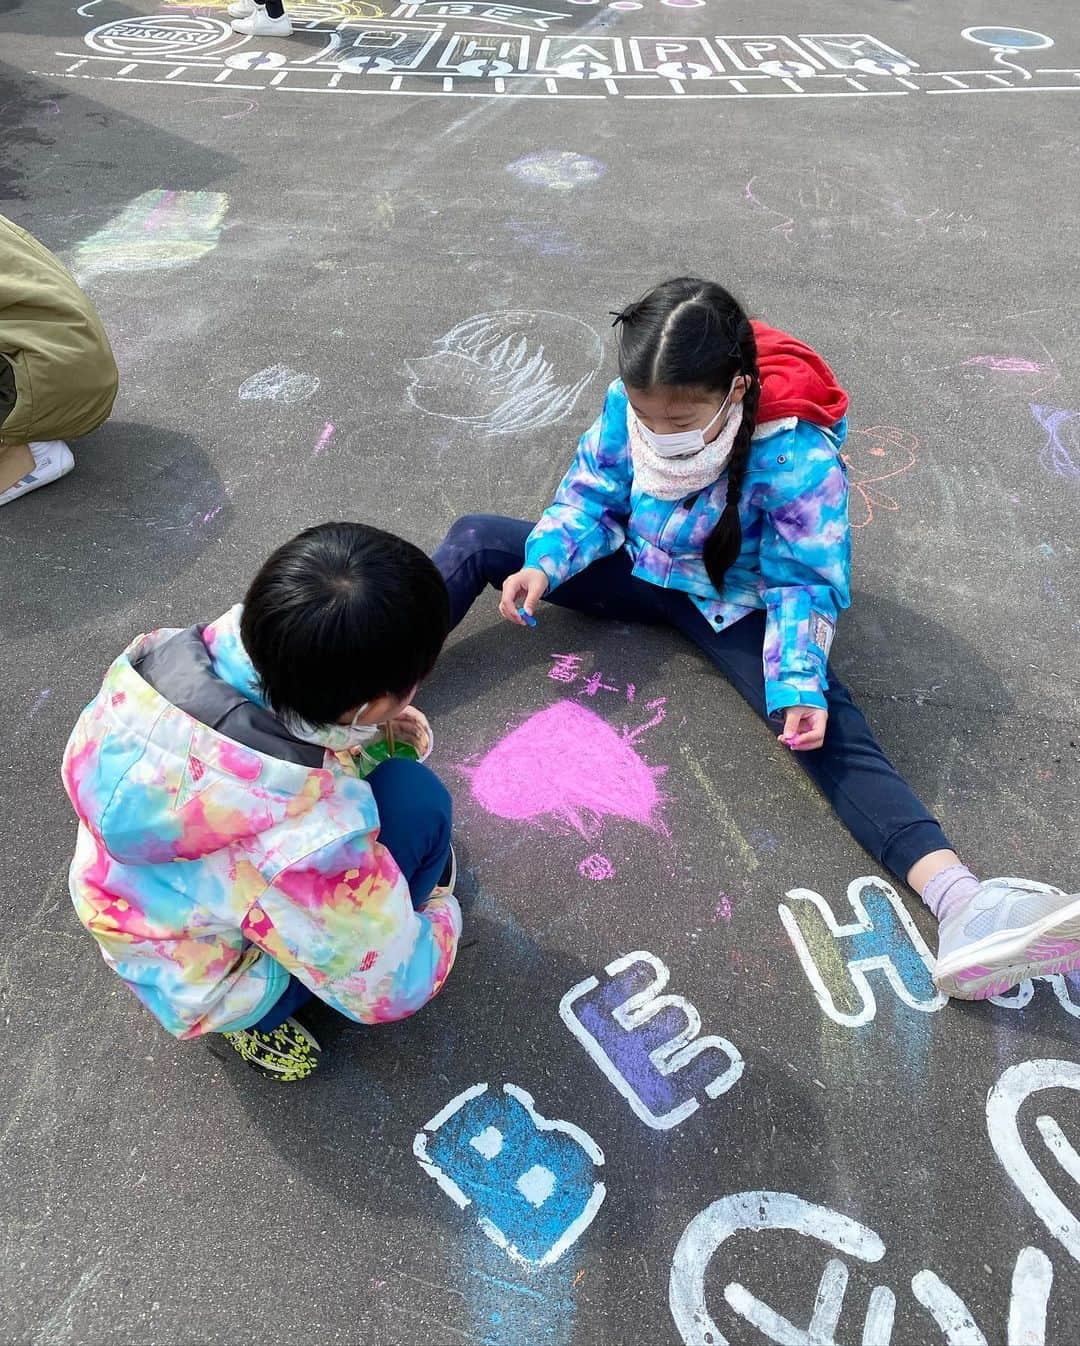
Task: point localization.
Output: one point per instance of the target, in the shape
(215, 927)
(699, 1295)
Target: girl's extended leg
(992, 934)
(484, 549)
(870, 797)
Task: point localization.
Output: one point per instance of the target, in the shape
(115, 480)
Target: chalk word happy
(1016, 1086)
(531, 1180)
(647, 1044)
(837, 957)
(756, 1213)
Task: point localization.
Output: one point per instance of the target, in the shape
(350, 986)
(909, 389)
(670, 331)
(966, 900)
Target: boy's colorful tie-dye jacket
(796, 550)
(198, 855)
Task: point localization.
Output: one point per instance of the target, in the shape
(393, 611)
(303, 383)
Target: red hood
(795, 380)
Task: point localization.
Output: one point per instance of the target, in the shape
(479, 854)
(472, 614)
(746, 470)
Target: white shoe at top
(52, 460)
(260, 24)
(240, 9)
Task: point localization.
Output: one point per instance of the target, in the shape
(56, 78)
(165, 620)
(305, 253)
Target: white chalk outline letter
(857, 968)
(670, 1057)
(573, 1231)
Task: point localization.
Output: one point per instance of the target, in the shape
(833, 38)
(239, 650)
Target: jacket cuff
(539, 561)
(780, 695)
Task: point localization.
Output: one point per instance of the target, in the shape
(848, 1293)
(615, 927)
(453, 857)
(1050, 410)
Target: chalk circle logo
(1010, 39)
(160, 35)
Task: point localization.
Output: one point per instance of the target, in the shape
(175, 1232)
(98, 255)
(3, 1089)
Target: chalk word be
(757, 1212)
(530, 1179)
(837, 957)
(647, 1044)
(1013, 1089)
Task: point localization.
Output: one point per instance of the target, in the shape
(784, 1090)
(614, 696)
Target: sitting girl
(711, 496)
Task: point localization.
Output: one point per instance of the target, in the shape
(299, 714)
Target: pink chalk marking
(723, 909)
(153, 219)
(660, 706)
(324, 439)
(1008, 364)
(566, 762)
(596, 867)
(212, 514)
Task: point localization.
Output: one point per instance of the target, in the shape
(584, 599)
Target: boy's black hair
(690, 333)
(342, 614)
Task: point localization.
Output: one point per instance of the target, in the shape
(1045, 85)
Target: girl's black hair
(690, 333)
(340, 615)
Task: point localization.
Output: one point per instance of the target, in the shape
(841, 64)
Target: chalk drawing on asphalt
(566, 766)
(882, 938)
(1016, 1087)
(159, 230)
(502, 373)
(648, 1044)
(758, 1213)
(279, 383)
(837, 956)
(530, 1180)
(467, 56)
(874, 455)
(1060, 454)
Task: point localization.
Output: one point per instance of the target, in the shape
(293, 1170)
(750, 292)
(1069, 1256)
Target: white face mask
(338, 737)
(684, 442)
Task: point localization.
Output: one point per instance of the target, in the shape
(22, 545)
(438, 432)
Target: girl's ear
(739, 389)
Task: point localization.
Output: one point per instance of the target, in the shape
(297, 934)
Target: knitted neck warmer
(674, 478)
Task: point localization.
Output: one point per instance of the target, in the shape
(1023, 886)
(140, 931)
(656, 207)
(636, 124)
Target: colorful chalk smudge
(559, 170)
(566, 763)
(158, 231)
(1062, 439)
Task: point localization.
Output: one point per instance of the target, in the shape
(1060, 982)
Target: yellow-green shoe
(287, 1053)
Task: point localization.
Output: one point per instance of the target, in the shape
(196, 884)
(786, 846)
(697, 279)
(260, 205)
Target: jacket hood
(156, 783)
(795, 380)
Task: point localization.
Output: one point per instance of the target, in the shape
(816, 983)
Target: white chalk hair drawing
(507, 372)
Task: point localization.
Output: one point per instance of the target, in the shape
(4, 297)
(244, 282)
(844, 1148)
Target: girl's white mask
(685, 442)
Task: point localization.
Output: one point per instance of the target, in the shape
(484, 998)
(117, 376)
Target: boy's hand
(412, 727)
(804, 728)
(522, 590)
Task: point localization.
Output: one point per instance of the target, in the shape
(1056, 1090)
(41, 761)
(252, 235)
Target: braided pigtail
(724, 543)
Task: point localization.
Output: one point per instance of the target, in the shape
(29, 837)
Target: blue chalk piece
(526, 617)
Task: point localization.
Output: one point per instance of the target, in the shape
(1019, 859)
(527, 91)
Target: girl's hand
(522, 590)
(412, 727)
(804, 728)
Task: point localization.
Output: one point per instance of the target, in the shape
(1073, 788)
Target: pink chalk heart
(568, 763)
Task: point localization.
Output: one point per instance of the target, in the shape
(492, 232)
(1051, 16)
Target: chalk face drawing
(279, 383)
(836, 957)
(532, 1181)
(159, 230)
(1016, 1087)
(874, 455)
(560, 170)
(648, 1044)
(502, 373)
(758, 1213)
(1061, 452)
(568, 765)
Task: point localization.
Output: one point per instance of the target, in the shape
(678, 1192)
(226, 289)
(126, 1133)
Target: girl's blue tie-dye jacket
(795, 559)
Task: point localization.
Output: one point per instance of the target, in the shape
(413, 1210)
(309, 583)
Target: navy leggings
(414, 817)
(872, 800)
